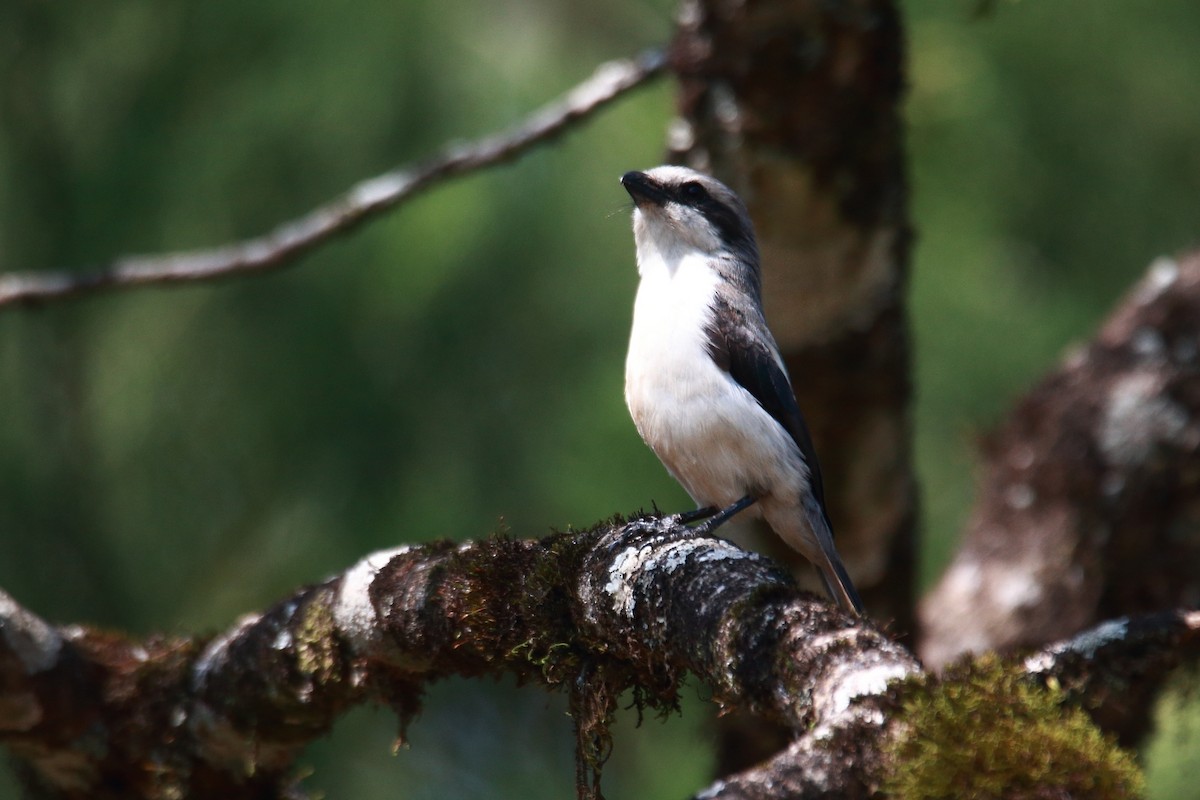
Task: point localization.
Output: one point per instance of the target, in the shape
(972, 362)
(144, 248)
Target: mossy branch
(599, 612)
(624, 606)
(985, 729)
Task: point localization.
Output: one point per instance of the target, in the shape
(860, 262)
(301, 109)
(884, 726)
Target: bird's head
(679, 212)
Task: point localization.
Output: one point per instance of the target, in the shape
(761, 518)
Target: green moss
(983, 730)
(317, 655)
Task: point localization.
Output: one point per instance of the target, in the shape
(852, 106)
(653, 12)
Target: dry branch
(368, 199)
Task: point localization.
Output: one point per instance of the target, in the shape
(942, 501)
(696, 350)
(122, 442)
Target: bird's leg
(688, 517)
(721, 517)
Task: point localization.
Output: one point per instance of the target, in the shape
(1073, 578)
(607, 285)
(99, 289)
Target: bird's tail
(833, 572)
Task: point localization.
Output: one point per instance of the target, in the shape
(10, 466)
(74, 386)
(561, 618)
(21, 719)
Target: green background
(170, 459)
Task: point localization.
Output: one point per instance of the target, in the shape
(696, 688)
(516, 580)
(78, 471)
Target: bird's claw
(688, 517)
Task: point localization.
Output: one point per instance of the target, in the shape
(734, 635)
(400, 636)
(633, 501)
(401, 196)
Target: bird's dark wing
(747, 358)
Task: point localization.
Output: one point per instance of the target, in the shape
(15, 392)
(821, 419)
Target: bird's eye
(693, 191)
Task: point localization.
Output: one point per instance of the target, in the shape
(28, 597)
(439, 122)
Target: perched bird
(704, 380)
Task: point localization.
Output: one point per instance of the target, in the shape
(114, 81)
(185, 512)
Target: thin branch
(366, 200)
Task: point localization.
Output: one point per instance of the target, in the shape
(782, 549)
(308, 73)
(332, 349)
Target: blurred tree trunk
(796, 104)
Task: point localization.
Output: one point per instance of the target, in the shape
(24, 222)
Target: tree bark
(631, 605)
(624, 606)
(1087, 503)
(796, 104)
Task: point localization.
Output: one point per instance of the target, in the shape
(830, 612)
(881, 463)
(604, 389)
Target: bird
(705, 383)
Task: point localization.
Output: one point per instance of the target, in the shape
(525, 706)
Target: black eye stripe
(727, 221)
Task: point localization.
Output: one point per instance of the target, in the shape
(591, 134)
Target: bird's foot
(718, 519)
(688, 517)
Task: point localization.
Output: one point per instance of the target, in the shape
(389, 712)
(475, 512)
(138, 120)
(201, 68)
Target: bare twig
(287, 242)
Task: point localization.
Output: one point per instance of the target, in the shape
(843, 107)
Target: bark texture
(1087, 504)
(795, 103)
(632, 605)
(1117, 669)
(98, 715)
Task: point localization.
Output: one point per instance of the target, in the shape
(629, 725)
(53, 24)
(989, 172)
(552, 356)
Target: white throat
(668, 356)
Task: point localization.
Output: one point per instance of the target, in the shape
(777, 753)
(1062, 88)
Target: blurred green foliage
(172, 458)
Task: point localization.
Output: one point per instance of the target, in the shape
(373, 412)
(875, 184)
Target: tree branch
(943, 731)
(1086, 505)
(1117, 669)
(633, 605)
(623, 606)
(364, 201)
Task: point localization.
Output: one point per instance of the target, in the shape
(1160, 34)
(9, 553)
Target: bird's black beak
(643, 189)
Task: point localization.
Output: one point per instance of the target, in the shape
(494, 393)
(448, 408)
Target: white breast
(708, 431)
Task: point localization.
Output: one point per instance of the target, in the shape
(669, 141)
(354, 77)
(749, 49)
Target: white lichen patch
(671, 556)
(627, 563)
(830, 639)
(36, 644)
(836, 708)
(1039, 663)
(1019, 496)
(353, 613)
(681, 135)
(1015, 587)
(1138, 417)
(283, 640)
(868, 682)
(723, 551)
(716, 790)
(964, 580)
(668, 556)
(1087, 643)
